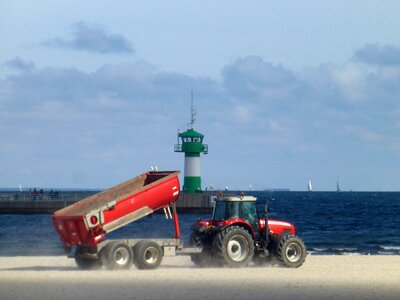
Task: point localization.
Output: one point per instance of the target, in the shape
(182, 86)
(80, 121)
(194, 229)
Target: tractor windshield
(249, 212)
(219, 211)
(232, 210)
(226, 210)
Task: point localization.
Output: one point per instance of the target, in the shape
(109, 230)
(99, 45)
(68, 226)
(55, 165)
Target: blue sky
(93, 93)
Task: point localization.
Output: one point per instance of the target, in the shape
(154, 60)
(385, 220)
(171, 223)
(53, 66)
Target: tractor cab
(235, 207)
(230, 210)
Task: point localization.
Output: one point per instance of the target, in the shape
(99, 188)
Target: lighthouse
(190, 142)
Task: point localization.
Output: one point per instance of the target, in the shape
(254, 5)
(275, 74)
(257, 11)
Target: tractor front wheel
(291, 251)
(233, 246)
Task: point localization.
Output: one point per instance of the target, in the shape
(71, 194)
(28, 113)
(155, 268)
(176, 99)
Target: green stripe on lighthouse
(191, 184)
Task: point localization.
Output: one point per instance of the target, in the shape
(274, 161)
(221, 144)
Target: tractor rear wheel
(291, 251)
(117, 255)
(199, 240)
(233, 246)
(148, 255)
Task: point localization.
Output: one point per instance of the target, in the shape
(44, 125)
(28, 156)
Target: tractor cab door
(249, 214)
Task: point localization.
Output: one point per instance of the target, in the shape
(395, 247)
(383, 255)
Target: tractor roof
(241, 199)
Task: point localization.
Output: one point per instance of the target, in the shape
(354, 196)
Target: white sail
(309, 186)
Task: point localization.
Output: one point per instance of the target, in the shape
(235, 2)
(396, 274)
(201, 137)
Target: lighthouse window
(192, 139)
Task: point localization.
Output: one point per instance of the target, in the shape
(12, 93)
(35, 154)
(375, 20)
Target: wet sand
(321, 277)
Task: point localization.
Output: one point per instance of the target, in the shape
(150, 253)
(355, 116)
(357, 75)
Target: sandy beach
(321, 277)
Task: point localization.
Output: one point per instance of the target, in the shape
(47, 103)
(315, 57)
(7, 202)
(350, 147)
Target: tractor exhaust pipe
(266, 229)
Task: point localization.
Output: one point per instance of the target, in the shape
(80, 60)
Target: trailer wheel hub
(121, 256)
(151, 255)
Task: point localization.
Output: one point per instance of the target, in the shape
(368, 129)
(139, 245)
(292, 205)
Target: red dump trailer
(83, 225)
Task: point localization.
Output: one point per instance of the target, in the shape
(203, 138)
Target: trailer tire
(148, 255)
(233, 246)
(291, 251)
(117, 256)
(87, 263)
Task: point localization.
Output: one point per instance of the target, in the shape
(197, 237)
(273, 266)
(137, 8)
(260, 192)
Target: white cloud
(375, 54)
(275, 125)
(351, 80)
(92, 38)
(19, 64)
(252, 77)
(363, 134)
(120, 116)
(243, 113)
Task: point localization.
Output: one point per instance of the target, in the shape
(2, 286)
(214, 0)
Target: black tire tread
(86, 263)
(219, 255)
(138, 252)
(280, 251)
(107, 257)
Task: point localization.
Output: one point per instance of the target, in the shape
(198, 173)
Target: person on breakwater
(34, 194)
(53, 194)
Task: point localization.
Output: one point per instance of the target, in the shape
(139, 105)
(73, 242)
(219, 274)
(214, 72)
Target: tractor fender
(245, 225)
(275, 239)
(278, 237)
(201, 225)
(279, 227)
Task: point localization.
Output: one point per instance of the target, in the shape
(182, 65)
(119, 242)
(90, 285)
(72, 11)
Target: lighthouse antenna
(192, 111)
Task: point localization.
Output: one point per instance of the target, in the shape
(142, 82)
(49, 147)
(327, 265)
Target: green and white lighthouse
(191, 143)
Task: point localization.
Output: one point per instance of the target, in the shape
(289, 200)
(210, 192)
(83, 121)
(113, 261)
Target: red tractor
(237, 234)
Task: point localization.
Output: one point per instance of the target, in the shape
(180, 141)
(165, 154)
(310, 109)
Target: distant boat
(338, 187)
(309, 186)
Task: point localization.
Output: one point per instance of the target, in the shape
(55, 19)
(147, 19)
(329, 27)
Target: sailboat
(309, 186)
(337, 186)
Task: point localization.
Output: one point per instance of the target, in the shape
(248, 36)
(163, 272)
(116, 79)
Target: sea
(330, 223)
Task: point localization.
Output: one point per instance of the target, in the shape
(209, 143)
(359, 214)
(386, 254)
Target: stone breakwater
(26, 203)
